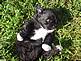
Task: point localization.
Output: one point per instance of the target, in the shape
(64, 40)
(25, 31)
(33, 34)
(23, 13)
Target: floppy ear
(39, 9)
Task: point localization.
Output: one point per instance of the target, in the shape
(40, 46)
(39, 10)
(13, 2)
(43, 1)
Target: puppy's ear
(39, 9)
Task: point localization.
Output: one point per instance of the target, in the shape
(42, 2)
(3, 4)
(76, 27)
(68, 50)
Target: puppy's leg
(26, 31)
(47, 45)
(55, 49)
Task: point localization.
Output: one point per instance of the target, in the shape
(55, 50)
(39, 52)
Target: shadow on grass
(66, 43)
(63, 16)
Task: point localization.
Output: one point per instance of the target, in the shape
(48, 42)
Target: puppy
(35, 38)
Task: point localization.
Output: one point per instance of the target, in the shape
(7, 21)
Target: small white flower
(46, 47)
(19, 38)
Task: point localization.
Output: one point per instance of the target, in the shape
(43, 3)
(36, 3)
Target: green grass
(13, 12)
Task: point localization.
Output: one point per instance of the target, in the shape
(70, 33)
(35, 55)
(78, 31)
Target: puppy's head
(47, 18)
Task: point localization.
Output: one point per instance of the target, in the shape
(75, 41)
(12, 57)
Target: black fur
(30, 50)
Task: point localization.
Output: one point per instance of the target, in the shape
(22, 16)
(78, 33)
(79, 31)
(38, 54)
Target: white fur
(47, 20)
(41, 33)
(39, 10)
(19, 38)
(46, 47)
(59, 47)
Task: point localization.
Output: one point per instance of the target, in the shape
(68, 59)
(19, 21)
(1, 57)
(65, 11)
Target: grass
(13, 12)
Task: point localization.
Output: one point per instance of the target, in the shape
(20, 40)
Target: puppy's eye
(47, 21)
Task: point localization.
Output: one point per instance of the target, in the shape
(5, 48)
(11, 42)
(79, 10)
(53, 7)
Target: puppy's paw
(19, 38)
(46, 47)
(58, 49)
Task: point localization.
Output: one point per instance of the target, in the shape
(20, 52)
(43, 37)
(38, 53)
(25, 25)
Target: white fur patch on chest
(19, 38)
(46, 47)
(41, 33)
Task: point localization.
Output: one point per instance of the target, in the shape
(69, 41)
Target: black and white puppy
(35, 38)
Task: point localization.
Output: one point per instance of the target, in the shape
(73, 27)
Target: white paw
(46, 47)
(19, 38)
(58, 47)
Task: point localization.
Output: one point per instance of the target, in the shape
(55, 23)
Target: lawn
(68, 32)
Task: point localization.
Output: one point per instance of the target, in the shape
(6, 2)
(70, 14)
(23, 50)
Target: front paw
(19, 38)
